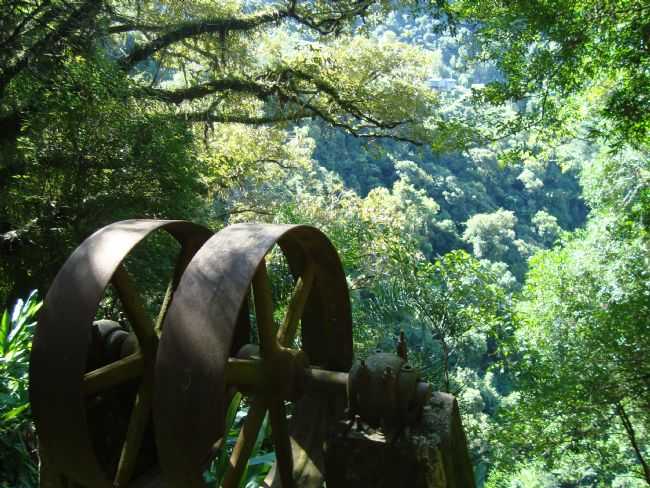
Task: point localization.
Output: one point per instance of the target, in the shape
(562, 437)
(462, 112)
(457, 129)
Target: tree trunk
(631, 434)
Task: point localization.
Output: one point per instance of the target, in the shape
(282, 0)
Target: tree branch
(245, 119)
(87, 9)
(351, 117)
(348, 105)
(631, 434)
(135, 26)
(243, 210)
(277, 162)
(199, 91)
(348, 127)
(28, 18)
(194, 29)
(332, 22)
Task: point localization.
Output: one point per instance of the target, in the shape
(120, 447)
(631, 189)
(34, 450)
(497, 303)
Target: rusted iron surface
(201, 323)
(385, 391)
(431, 454)
(174, 376)
(61, 342)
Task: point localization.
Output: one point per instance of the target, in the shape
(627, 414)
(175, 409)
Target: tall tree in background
(579, 70)
(580, 351)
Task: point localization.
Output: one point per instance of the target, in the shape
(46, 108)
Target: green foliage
(17, 439)
(261, 459)
(451, 297)
(104, 106)
(469, 178)
(366, 120)
(578, 354)
(553, 50)
(491, 235)
(89, 155)
(547, 227)
(450, 310)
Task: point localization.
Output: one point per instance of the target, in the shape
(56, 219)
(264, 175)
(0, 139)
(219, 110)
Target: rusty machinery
(147, 407)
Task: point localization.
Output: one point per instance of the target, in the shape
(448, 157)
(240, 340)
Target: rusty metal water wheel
(65, 388)
(203, 355)
(144, 406)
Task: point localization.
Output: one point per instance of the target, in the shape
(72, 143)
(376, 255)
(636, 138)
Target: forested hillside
(469, 180)
(481, 167)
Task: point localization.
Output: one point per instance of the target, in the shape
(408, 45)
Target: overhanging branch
(197, 117)
(350, 127)
(332, 22)
(50, 42)
(207, 26)
(211, 87)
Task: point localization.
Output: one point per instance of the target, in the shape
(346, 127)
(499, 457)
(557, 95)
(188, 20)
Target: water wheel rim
(60, 345)
(201, 324)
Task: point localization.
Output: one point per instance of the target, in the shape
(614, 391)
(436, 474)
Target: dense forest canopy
(481, 166)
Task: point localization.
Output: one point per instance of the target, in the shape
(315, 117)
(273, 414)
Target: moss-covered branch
(174, 34)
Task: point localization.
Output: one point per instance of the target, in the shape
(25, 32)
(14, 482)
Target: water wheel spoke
(264, 311)
(281, 441)
(145, 331)
(289, 328)
(135, 433)
(167, 300)
(113, 374)
(134, 309)
(184, 256)
(245, 443)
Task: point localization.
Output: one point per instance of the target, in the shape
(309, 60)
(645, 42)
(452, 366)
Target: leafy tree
(450, 298)
(551, 51)
(450, 310)
(491, 235)
(579, 354)
(546, 226)
(90, 155)
(102, 106)
(580, 382)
